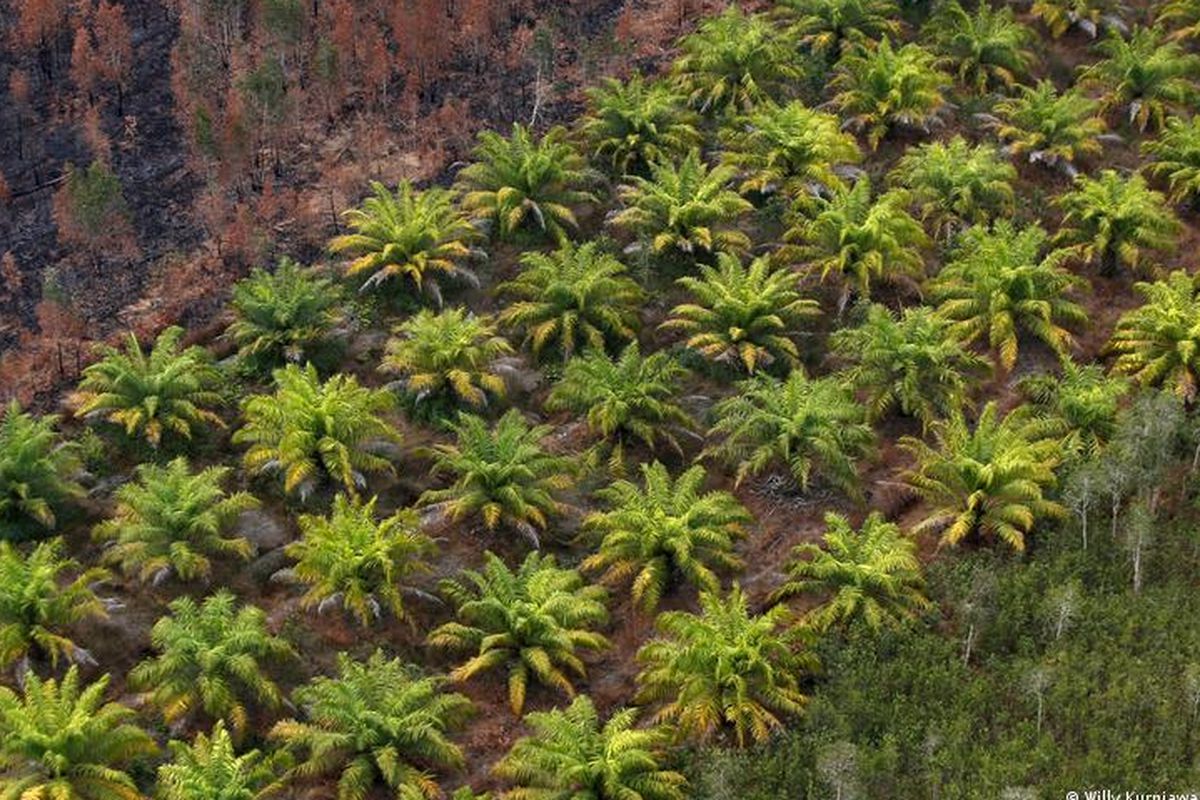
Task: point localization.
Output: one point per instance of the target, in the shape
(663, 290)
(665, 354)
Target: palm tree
(788, 148)
(61, 741)
(1049, 127)
(282, 316)
(1078, 404)
(378, 722)
(1090, 16)
(573, 298)
(350, 558)
(735, 61)
(211, 659)
(522, 184)
(308, 430)
(173, 521)
(988, 49)
(871, 574)
(448, 357)
(912, 362)
(1181, 18)
(882, 88)
(987, 481)
(634, 123)
(168, 390)
(723, 668)
(631, 397)
(1144, 77)
(534, 622)
(1158, 343)
(954, 184)
(803, 424)
(743, 315)
(1111, 219)
(210, 769)
(685, 209)
(999, 285)
(830, 26)
(856, 239)
(39, 603)
(571, 755)
(663, 532)
(1176, 154)
(420, 237)
(36, 470)
(500, 474)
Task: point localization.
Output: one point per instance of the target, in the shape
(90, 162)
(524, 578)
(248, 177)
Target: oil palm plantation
(378, 723)
(870, 574)
(987, 49)
(1079, 404)
(1158, 343)
(723, 669)
(744, 316)
(574, 298)
(828, 27)
(212, 660)
(351, 559)
(1050, 127)
(985, 481)
(169, 391)
(954, 184)
(664, 532)
(1176, 157)
(534, 623)
(37, 471)
(634, 123)
(1143, 77)
(310, 431)
(281, 317)
(210, 768)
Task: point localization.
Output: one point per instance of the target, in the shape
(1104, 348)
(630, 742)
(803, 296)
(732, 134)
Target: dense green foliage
(282, 316)
(37, 471)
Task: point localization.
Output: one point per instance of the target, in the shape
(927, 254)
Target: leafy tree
(1158, 343)
(571, 299)
(500, 474)
(684, 209)
(954, 184)
(743, 315)
(803, 424)
(450, 356)
(830, 26)
(999, 285)
(1049, 127)
(987, 481)
(1176, 154)
(664, 531)
(571, 755)
(1059, 16)
(61, 741)
(913, 362)
(39, 604)
(735, 61)
(1111, 219)
(1079, 404)
(350, 558)
(417, 237)
(871, 574)
(723, 668)
(523, 184)
(883, 88)
(211, 658)
(308, 430)
(210, 769)
(1143, 76)
(534, 622)
(789, 148)
(987, 49)
(282, 316)
(631, 397)
(377, 722)
(166, 390)
(634, 123)
(36, 470)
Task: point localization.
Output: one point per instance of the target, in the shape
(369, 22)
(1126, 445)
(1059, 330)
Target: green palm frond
(1143, 76)
(1158, 343)
(954, 184)
(634, 123)
(1079, 404)
(1090, 16)
(1049, 127)
(37, 471)
(830, 27)
(282, 316)
(987, 49)
(1176, 157)
(209, 768)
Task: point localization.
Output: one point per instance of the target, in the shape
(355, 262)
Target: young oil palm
(1090, 16)
(210, 768)
(744, 316)
(634, 123)
(1111, 219)
(309, 431)
(525, 185)
(1158, 343)
(686, 209)
(1049, 127)
(988, 49)
(1143, 77)
(574, 298)
(170, 390)
(37, 471)
(870, 574)
(984, 481)
(806, 426)
(723, 668)
(828, 27)
(1079, 404)
(283, 316)
(1000, 284)
(350, 558)
(1180, 18)
(534, 622)
(1176, 157)
(954, 184)
(664, 532)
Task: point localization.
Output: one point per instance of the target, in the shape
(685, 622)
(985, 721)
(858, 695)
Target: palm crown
(830, 26)
(1142, 76)
(1158, 343)
(35, 470)
(954, 184)
(1049, 127)
(1079, 404)
(1176, 154)
(634, 123)
(1089, 15)
(210, 769)
(281, 316)
(987, 49)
